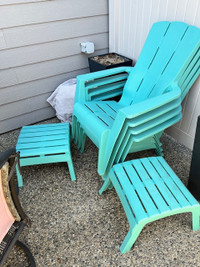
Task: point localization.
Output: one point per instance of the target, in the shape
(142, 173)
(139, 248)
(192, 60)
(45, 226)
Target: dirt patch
(110, 59)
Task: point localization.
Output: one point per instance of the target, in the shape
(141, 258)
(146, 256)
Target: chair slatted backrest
(169, 55)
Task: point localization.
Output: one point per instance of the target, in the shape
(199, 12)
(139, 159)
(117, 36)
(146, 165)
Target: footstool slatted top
(155, 188)
(149, 190)
(43, 144)
(43, 139)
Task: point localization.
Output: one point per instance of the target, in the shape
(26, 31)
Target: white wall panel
(129, 24)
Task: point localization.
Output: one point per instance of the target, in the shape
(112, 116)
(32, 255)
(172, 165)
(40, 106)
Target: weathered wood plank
(30, 89)
(26, 119)
(44, 69)
(24, 106)
(46, 11)
(14, 2)
(47, 69)
(42, 52)
(52, 31)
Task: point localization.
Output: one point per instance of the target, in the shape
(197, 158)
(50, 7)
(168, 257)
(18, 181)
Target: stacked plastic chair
(151, 95)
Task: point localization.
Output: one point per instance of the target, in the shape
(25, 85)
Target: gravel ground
(73, 226)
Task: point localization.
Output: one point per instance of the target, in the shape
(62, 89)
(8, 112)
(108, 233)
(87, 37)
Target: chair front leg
(107, 183)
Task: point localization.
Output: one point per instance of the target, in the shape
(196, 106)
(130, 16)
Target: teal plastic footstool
(149, 190)
(47, 143)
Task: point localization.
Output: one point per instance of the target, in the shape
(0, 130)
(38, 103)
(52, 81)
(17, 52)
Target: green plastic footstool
(47, 143)
(149, 190)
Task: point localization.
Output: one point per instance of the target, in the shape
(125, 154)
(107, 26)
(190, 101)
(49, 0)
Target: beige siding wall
(40, 48)
(130, 22)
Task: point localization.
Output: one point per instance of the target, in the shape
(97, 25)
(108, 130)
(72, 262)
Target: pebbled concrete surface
(73, 226)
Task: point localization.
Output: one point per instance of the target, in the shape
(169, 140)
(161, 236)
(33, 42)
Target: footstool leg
(130, 239)
(195, 219)
(19, 177)
(71, 169)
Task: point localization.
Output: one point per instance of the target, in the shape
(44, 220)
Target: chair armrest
(101, 85)
(138, 109)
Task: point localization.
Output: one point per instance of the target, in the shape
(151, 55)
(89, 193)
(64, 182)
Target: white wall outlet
(87, 47)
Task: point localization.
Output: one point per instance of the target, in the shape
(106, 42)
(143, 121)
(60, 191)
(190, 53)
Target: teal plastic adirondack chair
(151, 95)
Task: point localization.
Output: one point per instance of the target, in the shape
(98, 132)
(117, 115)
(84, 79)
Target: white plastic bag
(62, 100)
